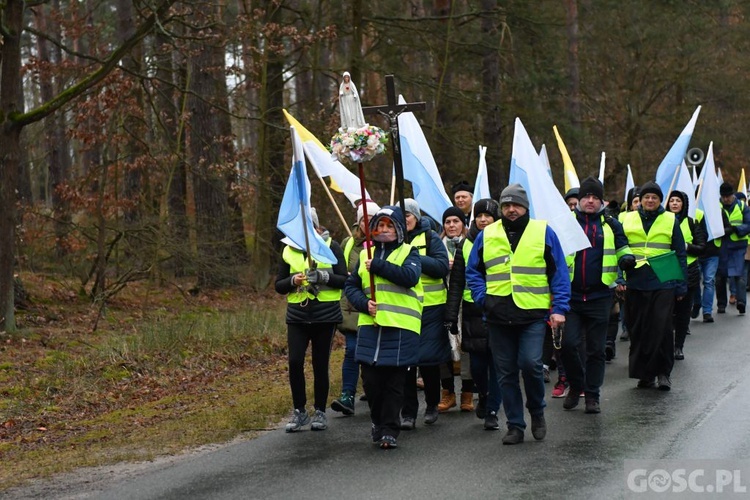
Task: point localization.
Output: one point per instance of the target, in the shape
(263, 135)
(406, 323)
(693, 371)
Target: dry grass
(163, 373)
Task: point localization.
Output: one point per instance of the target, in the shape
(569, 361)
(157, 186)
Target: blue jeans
(514, 348)
(709, 265)
(586, 332)
(485, 378)
(349, 368)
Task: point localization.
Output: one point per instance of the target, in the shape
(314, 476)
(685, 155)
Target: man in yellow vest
(593, 272)
(312, 313)
(518, 276)
(732, 252)
(649, 301)
(389, 323)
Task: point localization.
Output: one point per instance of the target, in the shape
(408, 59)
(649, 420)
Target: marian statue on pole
(355, 140)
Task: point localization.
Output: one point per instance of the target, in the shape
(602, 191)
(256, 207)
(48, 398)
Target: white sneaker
(319, 421)
(299, 420)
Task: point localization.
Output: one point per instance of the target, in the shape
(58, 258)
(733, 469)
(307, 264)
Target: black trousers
(681, 317)
(299, 336)
(649, 317)
(431, 378)
(384, 387)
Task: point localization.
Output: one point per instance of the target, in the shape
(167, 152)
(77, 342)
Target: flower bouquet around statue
(358, 145)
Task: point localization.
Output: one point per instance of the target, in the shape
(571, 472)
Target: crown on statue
(358, 144)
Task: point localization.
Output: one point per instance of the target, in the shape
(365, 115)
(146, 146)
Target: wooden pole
(335, 206)
(368, 241)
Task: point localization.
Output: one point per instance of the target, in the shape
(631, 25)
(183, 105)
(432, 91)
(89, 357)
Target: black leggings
(298, 337)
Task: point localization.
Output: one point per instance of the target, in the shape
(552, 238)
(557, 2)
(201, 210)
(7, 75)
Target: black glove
(730, 230)
(317, 277)
(627, 262)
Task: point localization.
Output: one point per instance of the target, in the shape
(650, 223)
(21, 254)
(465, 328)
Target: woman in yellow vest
(312, 313)
(695, 244)
(731, 269)
(434, 344)
(388, 335)
(352, 246)
(649, 303)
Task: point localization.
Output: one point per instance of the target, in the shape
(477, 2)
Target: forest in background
(147, 141)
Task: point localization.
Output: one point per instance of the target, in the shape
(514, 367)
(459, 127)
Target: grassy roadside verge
(163, 374)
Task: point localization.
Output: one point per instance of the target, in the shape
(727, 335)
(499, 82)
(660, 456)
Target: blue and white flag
(602, 163)
(545, 201)
(420, 168)
(719, 176)
(695, 177)
(685, 184)
(545, 159)
(709, 198)
(671, 163)
(294, 213)
(482, 184)
(629, 182)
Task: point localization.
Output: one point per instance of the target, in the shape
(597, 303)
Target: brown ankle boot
(467, 401)
(447, 401)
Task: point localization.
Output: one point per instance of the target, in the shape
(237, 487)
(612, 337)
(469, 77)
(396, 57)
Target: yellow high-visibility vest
(298, 264)
(435, 291)
(658, 240)
(521, 274)
(398, 307)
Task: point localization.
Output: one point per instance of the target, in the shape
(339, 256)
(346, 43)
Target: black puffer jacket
(697, 247)
(473, 329)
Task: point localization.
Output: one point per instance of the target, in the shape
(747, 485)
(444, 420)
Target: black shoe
(481, 409)
(376, 433)
(645, 383)
(538, 427)
(490, 422)
(431, 415)
(707, 318)
(625, 336)
(571, 400)
(664, 382)
(741, 309)
(609, 352)
(721, 310)
(678, 354)
(408, 424)
(388, 443)
(513, 436)
(696, 311)
(592, 406)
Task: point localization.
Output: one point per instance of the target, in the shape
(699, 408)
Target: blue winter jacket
(382, 345)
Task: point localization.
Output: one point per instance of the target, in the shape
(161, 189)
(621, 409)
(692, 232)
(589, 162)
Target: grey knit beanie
(412, 207)
(515, 193)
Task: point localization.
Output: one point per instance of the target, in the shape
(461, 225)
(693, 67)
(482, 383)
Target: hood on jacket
(397, 216)
(685, 203)
(423, 225)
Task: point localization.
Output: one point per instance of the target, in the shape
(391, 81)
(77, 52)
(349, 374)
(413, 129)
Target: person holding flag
(313, 293)
(390, 320)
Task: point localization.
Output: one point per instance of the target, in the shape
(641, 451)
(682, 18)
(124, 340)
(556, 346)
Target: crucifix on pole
(391, 111)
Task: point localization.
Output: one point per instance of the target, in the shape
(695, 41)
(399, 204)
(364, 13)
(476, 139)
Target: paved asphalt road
(705, 416)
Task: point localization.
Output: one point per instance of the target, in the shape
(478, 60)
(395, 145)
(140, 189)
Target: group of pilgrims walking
(491, 289)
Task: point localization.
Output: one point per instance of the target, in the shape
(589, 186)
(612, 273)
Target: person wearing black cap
(571, 198)
(593, 271)
(649, 302)
(454, 231)
(732, 251)
(473, 329)
(463, 197)
(518, 276)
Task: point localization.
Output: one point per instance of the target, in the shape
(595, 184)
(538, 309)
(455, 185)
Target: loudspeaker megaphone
(694, 156)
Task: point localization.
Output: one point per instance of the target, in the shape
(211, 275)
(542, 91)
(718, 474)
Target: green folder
(666, 267)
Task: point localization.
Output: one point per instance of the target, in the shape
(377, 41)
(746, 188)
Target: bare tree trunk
(574, 101)
(490, 95)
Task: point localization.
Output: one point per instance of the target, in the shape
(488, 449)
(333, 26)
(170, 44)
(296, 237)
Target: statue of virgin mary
(349, 105)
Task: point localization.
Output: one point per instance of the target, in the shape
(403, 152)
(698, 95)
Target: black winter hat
(462, 186)
(726, 189)
(453, 212)
(591, 185)
(651, 188)
(572, 193)
(632, 193)
(487, 206)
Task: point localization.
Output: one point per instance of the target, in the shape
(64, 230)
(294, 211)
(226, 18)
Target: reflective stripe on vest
(523, 273)
(688, 235)
(298, 264)
(735, 219)
(435, 292)
(398, 307)
(466, 250)
(658, 240)
(609, 258)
